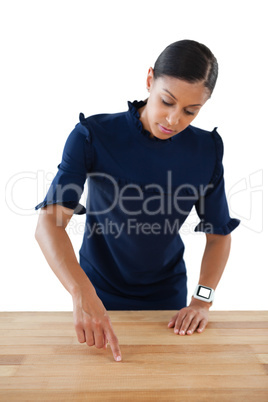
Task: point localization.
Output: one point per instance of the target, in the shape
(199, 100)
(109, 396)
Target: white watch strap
(204, 293)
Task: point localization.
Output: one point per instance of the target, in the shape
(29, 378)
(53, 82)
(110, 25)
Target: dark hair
(188, 60)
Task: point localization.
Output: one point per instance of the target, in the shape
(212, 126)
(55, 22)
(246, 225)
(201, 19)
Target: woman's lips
(165, 130)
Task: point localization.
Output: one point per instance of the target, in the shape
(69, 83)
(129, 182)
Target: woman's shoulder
(101, 122)
(101, 118)
(202, 132)
(211, 140)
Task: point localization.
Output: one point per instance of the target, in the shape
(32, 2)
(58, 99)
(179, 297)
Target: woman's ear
(149, 79)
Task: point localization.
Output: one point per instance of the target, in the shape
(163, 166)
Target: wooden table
(42, 360)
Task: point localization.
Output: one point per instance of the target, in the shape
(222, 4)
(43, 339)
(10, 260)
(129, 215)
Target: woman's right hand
(92, 323)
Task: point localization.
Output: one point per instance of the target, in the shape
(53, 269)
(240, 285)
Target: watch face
(204, 292)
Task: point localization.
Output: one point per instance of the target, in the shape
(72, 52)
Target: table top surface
(41, 359)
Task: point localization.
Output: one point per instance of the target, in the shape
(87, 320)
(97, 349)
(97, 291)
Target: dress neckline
(134, 112)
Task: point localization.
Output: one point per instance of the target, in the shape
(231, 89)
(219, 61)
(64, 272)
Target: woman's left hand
(191, 318)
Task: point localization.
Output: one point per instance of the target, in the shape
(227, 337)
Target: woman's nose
(173, 119)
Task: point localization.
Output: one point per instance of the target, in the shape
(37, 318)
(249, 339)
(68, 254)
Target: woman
(146, 168)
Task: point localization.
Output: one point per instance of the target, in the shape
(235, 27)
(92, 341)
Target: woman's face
(172, 105)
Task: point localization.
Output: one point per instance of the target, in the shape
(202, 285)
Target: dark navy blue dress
(140, 191)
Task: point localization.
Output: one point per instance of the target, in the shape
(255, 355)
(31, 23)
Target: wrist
(79, 290)
(200, 303)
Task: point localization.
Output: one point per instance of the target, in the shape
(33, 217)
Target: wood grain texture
(42, 360)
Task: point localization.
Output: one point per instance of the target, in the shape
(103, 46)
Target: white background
(60, 58)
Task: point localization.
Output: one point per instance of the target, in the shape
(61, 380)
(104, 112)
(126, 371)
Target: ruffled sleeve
(68, 184)
(212, 207)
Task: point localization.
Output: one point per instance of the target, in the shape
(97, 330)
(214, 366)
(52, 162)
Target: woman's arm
(58, 250)
(214, 260)
(213, 263)
(92, 323)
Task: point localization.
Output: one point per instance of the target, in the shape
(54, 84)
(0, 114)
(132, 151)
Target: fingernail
(176, 331)
(118, 359)
(182, 332)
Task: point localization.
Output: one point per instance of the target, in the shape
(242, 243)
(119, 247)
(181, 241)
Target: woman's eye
(185, 111)
(166, 103)
(189, 113)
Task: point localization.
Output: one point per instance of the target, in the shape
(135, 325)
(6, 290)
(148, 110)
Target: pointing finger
(113, 341)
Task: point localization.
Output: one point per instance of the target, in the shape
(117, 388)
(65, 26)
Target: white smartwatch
(204, 293)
